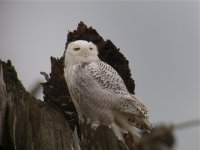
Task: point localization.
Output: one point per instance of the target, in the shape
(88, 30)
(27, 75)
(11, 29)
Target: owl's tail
(140, 123)
(126, 127)
(129, 123)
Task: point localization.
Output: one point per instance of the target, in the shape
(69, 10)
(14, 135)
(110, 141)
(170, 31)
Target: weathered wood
(3, 108)
(101, 139)
(28, 123)
(56, 93)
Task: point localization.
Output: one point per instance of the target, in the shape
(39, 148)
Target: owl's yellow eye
(77, 48)
(91, 48)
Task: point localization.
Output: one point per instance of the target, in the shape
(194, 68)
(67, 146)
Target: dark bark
(55, 89)
(30, 124)
(27, 123)
(101, 139)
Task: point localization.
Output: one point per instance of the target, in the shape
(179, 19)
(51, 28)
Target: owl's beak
(85, 55)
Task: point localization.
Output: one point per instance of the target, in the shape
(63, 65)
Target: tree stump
(30, 124)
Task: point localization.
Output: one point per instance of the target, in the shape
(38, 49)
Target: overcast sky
(160, 40)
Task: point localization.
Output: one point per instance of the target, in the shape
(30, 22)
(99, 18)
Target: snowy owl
(99, 93)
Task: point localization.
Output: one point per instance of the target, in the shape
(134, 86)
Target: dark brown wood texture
(27, 123)
(30, 124)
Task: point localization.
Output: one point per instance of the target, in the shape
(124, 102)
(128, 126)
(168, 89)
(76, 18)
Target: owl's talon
(94, 126)
(88, 121)
(81, 120)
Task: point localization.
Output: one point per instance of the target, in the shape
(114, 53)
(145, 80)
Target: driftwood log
(30, 124)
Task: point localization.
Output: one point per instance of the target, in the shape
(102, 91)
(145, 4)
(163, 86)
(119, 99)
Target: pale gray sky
(160, 40)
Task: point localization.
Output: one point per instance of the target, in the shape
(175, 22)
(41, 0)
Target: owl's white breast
(86, 92)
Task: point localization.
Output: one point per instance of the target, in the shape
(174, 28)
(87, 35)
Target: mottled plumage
(98, 92)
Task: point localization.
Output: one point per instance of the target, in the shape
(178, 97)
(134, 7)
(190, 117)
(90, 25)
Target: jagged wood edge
(28, 123)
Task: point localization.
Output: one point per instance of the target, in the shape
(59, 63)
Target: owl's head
(81, 51)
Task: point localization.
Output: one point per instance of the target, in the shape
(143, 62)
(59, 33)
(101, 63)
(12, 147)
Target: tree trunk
(30, 124)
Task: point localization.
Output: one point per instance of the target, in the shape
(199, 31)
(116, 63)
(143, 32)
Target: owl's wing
(136, 114)
(107, 78)
(110, 81)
